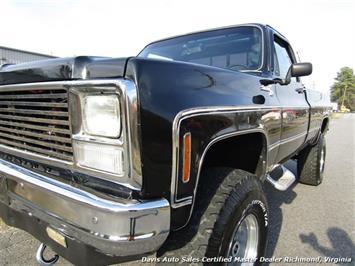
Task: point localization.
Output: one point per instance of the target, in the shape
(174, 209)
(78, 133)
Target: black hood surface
(72, 68)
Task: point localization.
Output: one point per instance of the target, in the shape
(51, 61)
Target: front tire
(230, 219)
(311, 163)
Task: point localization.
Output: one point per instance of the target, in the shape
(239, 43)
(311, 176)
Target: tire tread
(308, 163)
(231, 189)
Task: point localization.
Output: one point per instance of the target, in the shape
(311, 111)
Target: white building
(16, 56)
(335, 107)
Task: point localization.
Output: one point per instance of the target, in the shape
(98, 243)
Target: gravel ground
(305, 221)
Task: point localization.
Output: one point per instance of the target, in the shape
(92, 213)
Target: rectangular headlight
(101, 115)
(102, 157)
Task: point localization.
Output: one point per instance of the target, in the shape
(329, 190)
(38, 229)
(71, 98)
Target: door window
(282, 59)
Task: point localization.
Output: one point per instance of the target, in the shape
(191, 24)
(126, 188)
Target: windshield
(238, 48)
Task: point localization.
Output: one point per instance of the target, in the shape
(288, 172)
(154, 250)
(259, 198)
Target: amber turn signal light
(187, 158)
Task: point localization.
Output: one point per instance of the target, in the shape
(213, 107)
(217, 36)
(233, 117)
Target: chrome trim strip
(133, 124)
(300, 135)
(139, 227)
(295, 107)
(287, 140)
(320, 107)
(97, 139)
(31, 86)
(176, 203)
(268, 89)
(128, 90)
(274, 145)
(37, 157)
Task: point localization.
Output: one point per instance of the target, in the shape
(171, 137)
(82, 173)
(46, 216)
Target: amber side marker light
(187, 158)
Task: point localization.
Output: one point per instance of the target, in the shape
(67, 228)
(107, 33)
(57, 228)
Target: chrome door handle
(300, 90)
(268, 89)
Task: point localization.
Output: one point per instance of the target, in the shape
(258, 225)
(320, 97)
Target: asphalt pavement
(306, 222)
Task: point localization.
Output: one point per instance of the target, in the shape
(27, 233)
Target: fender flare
(176, 203)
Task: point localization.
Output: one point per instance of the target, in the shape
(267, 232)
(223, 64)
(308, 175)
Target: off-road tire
(309, 167)
(224, 198)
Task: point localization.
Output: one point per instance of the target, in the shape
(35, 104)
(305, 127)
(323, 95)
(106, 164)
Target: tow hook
(40, 258)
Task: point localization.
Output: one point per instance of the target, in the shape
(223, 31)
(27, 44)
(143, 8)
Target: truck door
(294, 107)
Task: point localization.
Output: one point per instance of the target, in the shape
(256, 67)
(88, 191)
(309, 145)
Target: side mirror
(297, 70)
(301, 69)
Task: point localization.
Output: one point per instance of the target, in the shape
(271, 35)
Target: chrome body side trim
(116, 227)
(133, 124)
(284, 141)
(176, 203)
(267, 89)
(130, 115)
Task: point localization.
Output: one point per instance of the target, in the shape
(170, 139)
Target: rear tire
(311, 162)
(229, 203)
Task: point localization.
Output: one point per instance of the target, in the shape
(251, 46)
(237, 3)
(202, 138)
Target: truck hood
(73, 68)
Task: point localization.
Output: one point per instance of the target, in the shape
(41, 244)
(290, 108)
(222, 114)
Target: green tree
(344, 82)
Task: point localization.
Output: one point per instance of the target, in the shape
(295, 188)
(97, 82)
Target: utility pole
(342, 107)
(342, 103)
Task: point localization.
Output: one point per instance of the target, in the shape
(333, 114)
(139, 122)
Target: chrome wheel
(322, 160)
(245, 239)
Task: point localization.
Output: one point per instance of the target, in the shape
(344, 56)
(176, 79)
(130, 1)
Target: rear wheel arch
(323, 130)
(325, 125)
(311, 161)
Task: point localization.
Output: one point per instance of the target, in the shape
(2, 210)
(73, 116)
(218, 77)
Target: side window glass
(282, 60)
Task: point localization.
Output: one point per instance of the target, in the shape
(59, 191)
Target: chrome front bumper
(114, 227)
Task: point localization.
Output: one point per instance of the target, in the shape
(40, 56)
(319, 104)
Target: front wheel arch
(244, 151)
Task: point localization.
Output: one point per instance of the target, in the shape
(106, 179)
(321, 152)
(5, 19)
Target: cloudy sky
(321, 31)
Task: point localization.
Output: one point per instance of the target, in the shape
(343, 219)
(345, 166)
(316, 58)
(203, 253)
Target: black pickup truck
(111, 159)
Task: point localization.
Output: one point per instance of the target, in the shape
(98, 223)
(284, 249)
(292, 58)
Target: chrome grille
(36, 121)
